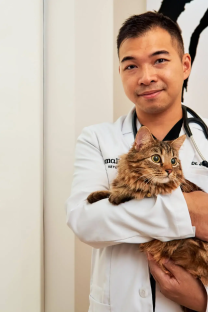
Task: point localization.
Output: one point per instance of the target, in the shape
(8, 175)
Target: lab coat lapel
(128, 136)
(186, 152)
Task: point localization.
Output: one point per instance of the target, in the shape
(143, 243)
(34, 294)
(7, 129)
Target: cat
(152, 167)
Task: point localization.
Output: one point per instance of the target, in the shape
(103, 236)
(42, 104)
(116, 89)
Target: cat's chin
(164, 180)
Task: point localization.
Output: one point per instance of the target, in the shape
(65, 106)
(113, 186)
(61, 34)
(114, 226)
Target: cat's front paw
(96, 196)
(117, 200)
(114, 200)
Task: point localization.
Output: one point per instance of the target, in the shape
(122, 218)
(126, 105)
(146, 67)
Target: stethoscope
(186, 122)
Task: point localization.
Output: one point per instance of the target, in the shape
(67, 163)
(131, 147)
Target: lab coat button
(143, 292)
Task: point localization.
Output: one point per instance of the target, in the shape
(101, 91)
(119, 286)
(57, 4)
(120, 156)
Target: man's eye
(161, 60)
(130, 67)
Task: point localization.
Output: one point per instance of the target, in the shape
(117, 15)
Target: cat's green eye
(156, 158)
(173, 161)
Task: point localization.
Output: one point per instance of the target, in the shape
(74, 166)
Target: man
(153, 67)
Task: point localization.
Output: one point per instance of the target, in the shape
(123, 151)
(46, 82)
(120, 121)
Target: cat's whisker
(176, 181)
(137, 180)
(150, 180)
(141, 176)
(149, 176)
(138, 169)
(153, 180)
(146, 177)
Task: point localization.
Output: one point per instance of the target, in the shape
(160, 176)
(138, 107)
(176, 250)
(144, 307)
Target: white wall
(122, 10)
(59, 141)
(21, 156)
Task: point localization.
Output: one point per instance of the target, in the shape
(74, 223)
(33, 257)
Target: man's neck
(160, 124)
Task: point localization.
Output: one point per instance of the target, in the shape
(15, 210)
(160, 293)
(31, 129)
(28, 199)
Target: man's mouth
(150, 94)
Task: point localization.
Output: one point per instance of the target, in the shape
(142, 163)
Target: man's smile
(150, 94)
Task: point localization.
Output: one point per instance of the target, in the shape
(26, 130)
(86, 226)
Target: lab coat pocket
(96, 306)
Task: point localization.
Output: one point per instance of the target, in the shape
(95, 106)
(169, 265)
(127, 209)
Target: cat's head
(156, 160)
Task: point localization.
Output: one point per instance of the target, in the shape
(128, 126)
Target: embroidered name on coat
(195, 163)
(113, 161)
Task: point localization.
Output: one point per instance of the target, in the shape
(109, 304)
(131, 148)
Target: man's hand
(181, 287)
(197, 203)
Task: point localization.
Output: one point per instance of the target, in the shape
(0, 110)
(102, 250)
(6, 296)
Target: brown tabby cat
(152, 167)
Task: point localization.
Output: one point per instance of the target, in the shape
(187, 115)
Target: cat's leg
(96, 196)
(117, 198)
(188, 187)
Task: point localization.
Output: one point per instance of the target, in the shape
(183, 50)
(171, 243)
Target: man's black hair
(138, 25)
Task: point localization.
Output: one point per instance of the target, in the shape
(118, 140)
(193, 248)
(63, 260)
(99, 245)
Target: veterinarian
(153, 67)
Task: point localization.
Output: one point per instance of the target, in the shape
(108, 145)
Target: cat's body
(139, 177)
(152, 167)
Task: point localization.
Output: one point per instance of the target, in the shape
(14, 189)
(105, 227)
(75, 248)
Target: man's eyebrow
(130, 58)
(159, 52)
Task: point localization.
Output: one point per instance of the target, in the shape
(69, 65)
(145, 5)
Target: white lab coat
(120, 280)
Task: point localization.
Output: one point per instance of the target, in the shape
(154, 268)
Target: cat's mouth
(165, 180)
(162, 179)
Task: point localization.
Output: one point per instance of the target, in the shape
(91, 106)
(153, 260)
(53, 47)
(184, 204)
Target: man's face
(152, 71)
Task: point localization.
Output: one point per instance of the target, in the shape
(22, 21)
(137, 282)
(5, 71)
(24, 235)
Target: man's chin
(153, 108)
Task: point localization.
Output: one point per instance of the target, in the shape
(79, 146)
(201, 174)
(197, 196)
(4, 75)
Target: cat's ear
(143, 137)
(177, 143)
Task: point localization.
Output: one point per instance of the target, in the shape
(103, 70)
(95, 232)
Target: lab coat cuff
(206, 287)
(182, 216)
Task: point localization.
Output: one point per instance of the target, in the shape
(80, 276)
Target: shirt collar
(127, 124)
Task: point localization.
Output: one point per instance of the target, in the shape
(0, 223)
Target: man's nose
(147, 76)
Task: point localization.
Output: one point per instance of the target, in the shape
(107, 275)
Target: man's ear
(186, 65)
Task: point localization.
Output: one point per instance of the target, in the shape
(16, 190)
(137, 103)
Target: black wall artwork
(173, 9)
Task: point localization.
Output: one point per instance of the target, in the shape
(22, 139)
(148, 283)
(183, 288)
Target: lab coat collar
(127, 124)
(186, 152)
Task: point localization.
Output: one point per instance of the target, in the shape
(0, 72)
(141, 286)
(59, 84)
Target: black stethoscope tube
(186, 122)
(195, 119)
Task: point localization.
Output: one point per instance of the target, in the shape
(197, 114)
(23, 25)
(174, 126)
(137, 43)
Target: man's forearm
(197, 203)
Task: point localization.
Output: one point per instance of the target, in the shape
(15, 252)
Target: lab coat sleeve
(102, 224)
(206, 287)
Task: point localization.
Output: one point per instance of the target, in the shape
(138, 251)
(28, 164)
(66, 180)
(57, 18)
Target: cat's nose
(168, 171)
